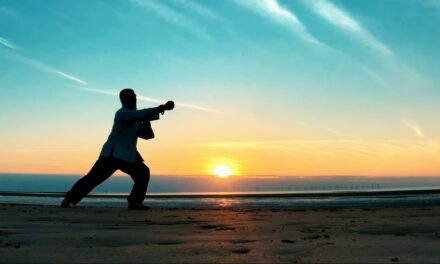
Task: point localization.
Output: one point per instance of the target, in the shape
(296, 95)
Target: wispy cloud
(37, 64)
(45, 150)
(149, 99)
(376, 77)
(344, 21)
(199, 9)
(49, 69)
(341, 134)
(414, 127)
(44, 67)
(8, 43)
(389, 73)
(172, 16)
(69, 76)
(367, 147)
(283, 16)
(8, 11)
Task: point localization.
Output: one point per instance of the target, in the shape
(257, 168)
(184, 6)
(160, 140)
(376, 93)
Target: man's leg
(140, 174)
(102, 170)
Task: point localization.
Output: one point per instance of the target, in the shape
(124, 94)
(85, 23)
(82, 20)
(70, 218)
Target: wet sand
(30, 233)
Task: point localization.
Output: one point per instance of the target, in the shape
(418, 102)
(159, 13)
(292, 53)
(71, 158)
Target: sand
(30, 233)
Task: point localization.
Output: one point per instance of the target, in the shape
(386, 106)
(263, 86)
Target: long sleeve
(145, 130)
(129, 115)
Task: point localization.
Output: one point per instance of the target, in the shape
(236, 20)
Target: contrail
(281, 15)
(8, 43)
(44, 67)
(49, 69)
(414, 127)
(344, 21)
(149, 99)
(70, 77)
(39, 65)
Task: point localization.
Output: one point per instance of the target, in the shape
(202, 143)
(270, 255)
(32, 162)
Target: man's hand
(167, 106)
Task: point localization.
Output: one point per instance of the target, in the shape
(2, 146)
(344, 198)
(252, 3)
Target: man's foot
(66, 204)
(137, 206)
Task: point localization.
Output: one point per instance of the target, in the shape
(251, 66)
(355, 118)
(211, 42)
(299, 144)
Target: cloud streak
(44, 67)
(172, 16)
(367, 147)
(69, 77)
(149, 99)
(49, 69)
(343, 21)
(200, 9)
(8, 43)
(281, 15)
(414, 127)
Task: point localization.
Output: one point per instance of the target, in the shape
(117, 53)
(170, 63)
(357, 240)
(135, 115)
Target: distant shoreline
(316, 194)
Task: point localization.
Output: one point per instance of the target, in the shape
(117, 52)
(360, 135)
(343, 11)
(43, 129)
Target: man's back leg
(102, 170)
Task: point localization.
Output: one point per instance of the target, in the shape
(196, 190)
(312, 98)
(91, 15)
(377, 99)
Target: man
(119, 152)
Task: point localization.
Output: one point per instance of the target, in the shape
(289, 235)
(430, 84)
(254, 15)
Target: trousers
(103, 168)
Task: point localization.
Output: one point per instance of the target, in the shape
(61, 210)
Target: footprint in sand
(241, 251)
(169, 242)
(241, 241)
(217, 227)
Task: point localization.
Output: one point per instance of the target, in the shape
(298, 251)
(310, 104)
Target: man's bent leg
(140, 174)
(102, 170)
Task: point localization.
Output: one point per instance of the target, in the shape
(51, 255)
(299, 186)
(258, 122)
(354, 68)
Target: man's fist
(169, 105)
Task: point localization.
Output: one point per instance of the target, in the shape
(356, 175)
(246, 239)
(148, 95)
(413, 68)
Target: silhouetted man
(120, 153)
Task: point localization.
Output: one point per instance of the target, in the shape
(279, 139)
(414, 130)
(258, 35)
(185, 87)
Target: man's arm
(128, 115)
(146, 114)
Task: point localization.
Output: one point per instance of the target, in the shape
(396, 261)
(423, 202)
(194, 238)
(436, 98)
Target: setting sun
(222, 167)
(222, 171)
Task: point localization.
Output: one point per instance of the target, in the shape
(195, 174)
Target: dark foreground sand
(51, 234)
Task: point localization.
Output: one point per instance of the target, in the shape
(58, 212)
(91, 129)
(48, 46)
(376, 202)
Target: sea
(243, 192)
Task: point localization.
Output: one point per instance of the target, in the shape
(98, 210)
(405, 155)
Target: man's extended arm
(146, 114)
(131, 115)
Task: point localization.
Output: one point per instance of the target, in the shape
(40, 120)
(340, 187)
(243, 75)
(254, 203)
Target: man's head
(128, 98)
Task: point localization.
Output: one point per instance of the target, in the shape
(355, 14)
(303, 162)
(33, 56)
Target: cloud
(376, 77)
(172, 16)
(149, 99)
(70, 77)
(36, 64)
(199, 9)
(365, 148)
(49, 69)
(274, 11)
(46, 150)
(342, 20)
(430, 3)
(8, 43)
(341, 134)
(390, 73)
(414, 127)
(44, 67)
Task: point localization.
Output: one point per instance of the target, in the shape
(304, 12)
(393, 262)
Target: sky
(263, 87)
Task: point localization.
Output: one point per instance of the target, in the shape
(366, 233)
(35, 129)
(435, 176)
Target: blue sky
(242, 70)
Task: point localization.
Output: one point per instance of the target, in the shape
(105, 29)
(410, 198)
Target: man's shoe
(137, 206)
(66, 204)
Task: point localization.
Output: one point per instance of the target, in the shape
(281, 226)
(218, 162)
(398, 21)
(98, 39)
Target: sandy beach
(31, 233)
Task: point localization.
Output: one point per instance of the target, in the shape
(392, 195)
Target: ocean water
(204, 184)
(234, 193)
(201, 202)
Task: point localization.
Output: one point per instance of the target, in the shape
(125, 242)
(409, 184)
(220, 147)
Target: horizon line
(232, 176)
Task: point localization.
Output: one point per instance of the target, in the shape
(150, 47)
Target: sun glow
(222, 171)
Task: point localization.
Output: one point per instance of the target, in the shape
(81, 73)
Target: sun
(222, 171)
